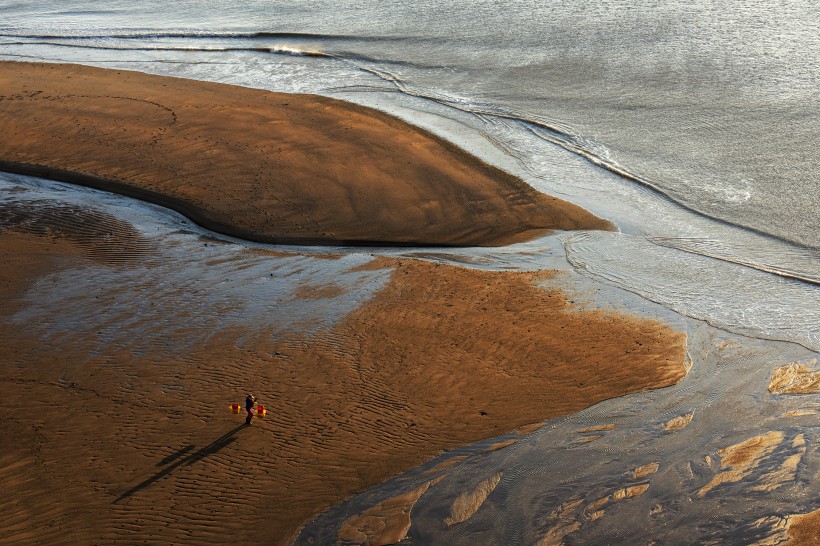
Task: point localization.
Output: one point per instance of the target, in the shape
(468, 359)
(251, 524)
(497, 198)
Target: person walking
(250, 400)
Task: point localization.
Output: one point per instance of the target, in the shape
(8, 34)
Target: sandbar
(268, 167)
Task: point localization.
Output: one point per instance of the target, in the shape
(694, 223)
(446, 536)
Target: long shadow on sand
(223, 441)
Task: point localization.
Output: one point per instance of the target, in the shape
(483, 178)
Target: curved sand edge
(269, 167)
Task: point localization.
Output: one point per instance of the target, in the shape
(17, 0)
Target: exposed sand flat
(385, 523)
(679, 422)
(787, 472)
(791, 530)
(629, 492)
(123, 445)
(795, 378)
(564, 523)
(645, 470)
(469, 502)
(264, 166)
(804, 529)
(574, 513)
(739, 460)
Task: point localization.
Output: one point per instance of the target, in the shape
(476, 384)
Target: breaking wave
(198, 35)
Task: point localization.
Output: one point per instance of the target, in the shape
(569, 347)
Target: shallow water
(210, 283)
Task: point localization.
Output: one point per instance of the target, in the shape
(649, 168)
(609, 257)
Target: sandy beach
(264, 166)
(105, 444)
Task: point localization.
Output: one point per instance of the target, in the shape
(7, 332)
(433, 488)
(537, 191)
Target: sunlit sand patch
(791, 530)
(319, 292)
(619, 495)
(555, 536)
(569, 517)
(796, 378)
(526, 429)
(596, 510)
(444, 465)
(564, 524)
(385, 523)
(598, 428)
(500, 445)
(800, 413)
(645, 470)
(788, 469)
(739, 460)
(469, 502)
(804, 529)
(630, 492)
(594, 507)
(679, 422)
(588, 439)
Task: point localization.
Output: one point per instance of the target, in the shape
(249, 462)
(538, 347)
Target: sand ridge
(264, 166)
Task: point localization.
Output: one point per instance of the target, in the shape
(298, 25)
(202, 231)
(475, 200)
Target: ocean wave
(282, 50)
(276, 49)
(149, 35)
(299, 52)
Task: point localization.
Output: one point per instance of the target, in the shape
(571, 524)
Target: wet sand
(104, 444)
(264, 166)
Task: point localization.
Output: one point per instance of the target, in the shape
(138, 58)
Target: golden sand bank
(264, 166)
